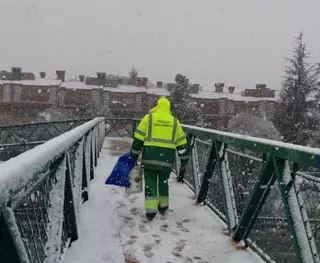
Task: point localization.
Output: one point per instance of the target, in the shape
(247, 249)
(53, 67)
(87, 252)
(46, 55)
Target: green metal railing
(267, 192)
(41, 192)
(16, 139)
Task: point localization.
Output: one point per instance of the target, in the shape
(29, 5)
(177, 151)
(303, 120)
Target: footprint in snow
(142, 228)
(147, 249)
(134, 211)
(157, 238)
(120, 204)
(179, 247)
(129, 257)
(200, 260)
(181, 227)
(164, 228)
(133, 199)
(132, 240)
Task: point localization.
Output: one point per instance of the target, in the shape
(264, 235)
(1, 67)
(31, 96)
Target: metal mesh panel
(189, 177)
(307, 188)
(16, 139)
(201, 153)
(215, 196)
(244, 170)
(33, 219)
(45, 214)
(119, 127)
(270, 232)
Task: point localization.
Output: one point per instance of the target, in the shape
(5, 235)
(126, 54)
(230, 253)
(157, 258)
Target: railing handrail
(44, 122)
(291, 152)
(17, 173)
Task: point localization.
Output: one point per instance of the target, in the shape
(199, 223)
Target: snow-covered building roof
(230, 96)
(77, 84)
(126, 89)
(154, 90)
(211, 94)
(35, 82)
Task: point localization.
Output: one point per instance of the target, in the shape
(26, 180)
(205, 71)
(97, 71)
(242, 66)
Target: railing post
(92, 164)
(14, 248)
(96, 142)
(195, 165)
(181, 172)
(208, 173)
(70, 202)
(134, 126)
(85, 174)
(257, 199)
(292, 209)
(225, 176)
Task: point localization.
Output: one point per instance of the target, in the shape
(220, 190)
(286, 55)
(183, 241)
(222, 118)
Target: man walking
(159, 135)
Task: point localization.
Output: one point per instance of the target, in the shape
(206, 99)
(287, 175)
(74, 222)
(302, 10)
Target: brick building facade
(92, 96)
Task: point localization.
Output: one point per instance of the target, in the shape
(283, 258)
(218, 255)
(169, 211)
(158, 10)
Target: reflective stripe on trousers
(151, 204)
(163, 201)
(154, 162)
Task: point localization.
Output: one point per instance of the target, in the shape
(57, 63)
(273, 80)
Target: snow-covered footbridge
(245, 199)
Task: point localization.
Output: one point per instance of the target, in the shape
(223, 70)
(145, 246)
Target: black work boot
(162, 210)
(151, 216)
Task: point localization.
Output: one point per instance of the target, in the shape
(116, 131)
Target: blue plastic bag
(120, 173)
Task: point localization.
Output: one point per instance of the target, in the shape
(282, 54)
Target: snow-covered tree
(244, 168)
(133, 76)
(183, 105)
(253, 125)
(299, 83)
(314, 129)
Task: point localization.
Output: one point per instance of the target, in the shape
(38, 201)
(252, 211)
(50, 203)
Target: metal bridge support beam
(293, 212)
(226, 181)
(12, 246)
(209, 172)
(70, 202)
(85, 175)
(257, 199)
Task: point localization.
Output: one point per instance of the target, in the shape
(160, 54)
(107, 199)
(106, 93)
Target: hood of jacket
(163, 104)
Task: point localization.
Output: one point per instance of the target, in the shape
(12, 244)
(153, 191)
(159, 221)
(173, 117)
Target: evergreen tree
(182, 104)
(133, 76)
(299, 83)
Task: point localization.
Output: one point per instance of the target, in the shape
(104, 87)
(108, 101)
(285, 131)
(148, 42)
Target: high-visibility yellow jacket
(160, 134)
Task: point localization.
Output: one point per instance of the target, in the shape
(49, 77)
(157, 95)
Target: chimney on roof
(219, 87)
(231, 89)
(81, 78)
(3, 74)
(16, 73)
(261, 86)
(61, 74)
(42, 74)
(159, 84)
(101, 75)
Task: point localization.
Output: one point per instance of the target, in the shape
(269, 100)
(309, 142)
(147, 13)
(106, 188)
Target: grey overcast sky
(239, 42)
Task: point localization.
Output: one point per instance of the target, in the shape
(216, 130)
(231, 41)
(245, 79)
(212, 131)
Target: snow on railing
(262, 189)
(41, 191)
(15, 139)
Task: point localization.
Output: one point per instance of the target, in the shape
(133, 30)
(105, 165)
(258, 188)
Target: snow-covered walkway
(113, 228)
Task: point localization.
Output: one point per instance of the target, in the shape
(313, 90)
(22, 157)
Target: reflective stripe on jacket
(159, 134)
(160, 128)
